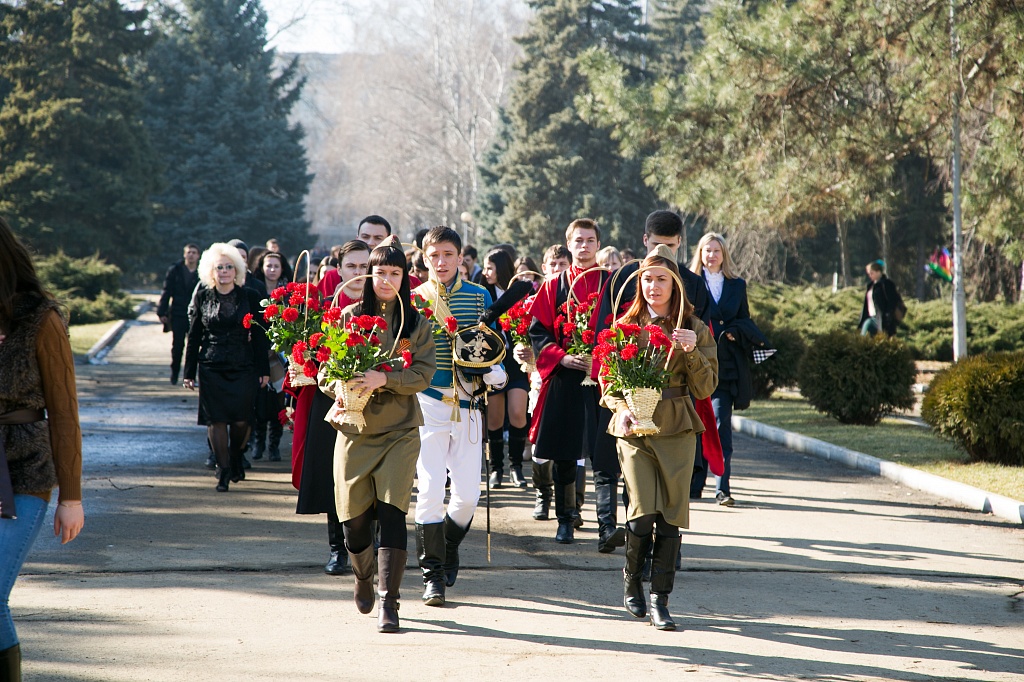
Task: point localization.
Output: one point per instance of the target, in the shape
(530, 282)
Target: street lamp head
(466, 217)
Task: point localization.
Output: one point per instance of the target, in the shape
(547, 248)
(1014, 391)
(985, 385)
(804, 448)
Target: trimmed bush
(780, 370)
(978, 403)
(90, 287)
(857, 379)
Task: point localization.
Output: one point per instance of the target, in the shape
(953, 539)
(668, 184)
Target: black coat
(730, 307)
(218, 339)
(178, 287)
(886, 299)
(735, 356)
(696, 293)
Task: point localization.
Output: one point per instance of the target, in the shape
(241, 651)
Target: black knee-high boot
(454, 534)
(637, 547)
(581, 495)
(274, 432)
(610, 535)
(430, 554)
(516, 446)
(496, 446)
(544, 484)
(338, 562)
(663, 576)
(259, 438)
(565, 502)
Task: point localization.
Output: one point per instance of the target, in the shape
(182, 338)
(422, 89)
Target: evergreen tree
(675, 35)
(557, 165)
(217, 109)
(76, 167)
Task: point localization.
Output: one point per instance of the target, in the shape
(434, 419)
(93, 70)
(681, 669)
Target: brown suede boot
(362, 570)
(390, 569)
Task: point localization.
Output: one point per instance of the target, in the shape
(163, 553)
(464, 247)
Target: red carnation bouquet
(347, 351)
(574, 326)
(633, 362)
(516, 323)
(425, 308)
(293, 314)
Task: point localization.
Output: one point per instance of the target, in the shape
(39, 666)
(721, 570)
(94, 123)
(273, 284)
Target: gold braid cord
(442, 312)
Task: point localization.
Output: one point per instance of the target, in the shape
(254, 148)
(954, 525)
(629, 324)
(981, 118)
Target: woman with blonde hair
(608, 257)
(657, 468)
(228, 354)
(727, 304)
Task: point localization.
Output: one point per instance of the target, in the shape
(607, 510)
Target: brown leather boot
(362, 570)
(390, 569)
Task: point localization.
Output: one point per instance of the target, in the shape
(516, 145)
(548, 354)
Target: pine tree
(76, 167)
(217, 109)
(675, 35)
(553, 165)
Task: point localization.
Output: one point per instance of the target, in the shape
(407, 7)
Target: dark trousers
(721, 401)
(179, 330)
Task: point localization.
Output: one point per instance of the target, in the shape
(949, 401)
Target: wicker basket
(349, 409)
(299, 377)
(642, 402)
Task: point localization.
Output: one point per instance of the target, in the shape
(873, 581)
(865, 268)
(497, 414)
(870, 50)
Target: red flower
(247, 320)
(323, 354)
(365, 322)
(606, 335)
(652, 329)
(559, 321)
(659, 339)
(313, 304)
(282, 417)
(315, 339)
(603, 350)
(332, 316)
(608, 319)
(406, 359)
(292, 287)
(270, 313)
(355, 339)
(506, 323)
(568, 328)
(299, 352)
(588, 336)
(278, 293)
(380, 323)
(629, 351)
(630, 329)
(385, 367)
(296, 299)
(289, 314)
(375, 340)
(451, 324)
(428, 312)
(309, 369)
(522, 327)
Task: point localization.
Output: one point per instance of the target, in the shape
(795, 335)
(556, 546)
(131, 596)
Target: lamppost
(467, 220)
(959, 304)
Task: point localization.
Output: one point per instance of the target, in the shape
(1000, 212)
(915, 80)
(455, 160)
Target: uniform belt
(437, 395)
(674, 392)
(21, 417)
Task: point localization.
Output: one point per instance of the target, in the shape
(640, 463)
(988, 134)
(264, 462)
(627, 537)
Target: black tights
(393, 533)
(564, 471)
(644, 526)
(224, 444)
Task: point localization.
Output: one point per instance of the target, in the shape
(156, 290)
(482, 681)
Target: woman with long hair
(228, 355)
(374, 466)
(267, 431)
(39, 451)
(512, 400)
(314, 439)
(657, 468)
(727, 303)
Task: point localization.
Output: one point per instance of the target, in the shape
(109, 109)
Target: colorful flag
(940, 265)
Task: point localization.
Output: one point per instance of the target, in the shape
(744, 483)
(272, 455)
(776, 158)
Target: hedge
(978, 403)
(780, 370)
(90, 287)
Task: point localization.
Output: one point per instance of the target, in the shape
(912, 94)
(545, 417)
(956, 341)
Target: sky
(311, 25)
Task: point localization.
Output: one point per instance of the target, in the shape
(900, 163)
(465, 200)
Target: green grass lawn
(893, 440)
(84, 336)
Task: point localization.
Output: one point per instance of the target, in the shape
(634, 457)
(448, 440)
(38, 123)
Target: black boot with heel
(663, 576)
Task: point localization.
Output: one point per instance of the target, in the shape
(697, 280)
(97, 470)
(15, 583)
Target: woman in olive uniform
(374, 466)
(657, 468)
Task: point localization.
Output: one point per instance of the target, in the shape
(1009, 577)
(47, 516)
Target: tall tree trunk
(919, 273)
(885, 241)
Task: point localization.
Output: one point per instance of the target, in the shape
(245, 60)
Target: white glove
(497, 377)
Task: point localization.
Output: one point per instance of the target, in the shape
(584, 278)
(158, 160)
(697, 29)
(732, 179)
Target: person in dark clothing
(660, 228)
(727, 303)
(883, 306)
(251, 282)
(180, 282)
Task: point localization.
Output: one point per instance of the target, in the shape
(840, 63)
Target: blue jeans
(16, 538)
(721, 401)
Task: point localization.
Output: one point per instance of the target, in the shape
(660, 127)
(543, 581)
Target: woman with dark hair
(269, 269)
(657, 468)
(228, 354)
(526, 264)
(313, 440)
(39, 451)
(883, 306)
(515, 395)
(374, 466)
(267, 431)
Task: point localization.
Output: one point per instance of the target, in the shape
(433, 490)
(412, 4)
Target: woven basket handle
(401, 308)
(682, 296)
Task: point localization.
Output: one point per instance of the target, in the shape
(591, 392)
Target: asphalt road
(819, 573)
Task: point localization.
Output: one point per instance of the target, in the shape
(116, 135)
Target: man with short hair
(469, 258)
(567, 408)
(556, 259)
(373, 229)
(179, 283)
(273, 245)
(451, 435)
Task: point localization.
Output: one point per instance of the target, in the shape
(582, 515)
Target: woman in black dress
(228, 354)
(497, 275)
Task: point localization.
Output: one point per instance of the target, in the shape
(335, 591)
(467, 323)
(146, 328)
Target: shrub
(857, 379)
(90, 287)
(780, 370)
(978, 403)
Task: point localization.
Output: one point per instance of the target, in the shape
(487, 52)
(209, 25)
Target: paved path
(821, 573)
